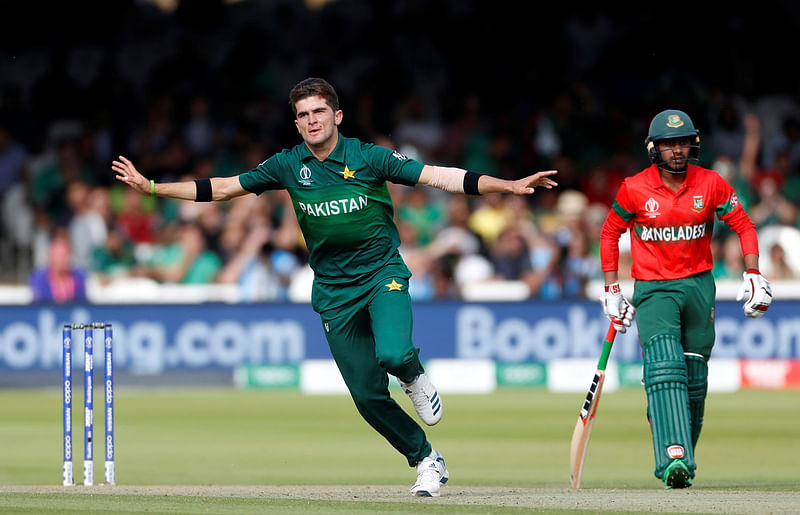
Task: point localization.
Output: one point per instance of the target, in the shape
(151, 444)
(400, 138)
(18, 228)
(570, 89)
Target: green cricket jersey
(342, 203)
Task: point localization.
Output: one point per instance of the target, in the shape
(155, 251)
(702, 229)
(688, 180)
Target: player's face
(316, 121)
(675, 152)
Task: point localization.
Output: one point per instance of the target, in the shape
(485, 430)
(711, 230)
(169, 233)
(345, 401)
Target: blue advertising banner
(151, 339)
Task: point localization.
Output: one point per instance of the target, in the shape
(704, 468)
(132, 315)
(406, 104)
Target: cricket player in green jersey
(339, 193)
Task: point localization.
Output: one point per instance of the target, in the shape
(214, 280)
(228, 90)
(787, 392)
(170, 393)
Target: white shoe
(425, 398)
(431, 474)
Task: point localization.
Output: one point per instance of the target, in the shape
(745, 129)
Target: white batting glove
(617, 308)
(756, 294)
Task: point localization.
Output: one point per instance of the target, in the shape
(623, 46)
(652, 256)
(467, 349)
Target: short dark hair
(313, 87)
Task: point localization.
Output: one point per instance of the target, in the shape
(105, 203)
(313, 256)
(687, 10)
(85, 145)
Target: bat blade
(583, 427)
(583, 430)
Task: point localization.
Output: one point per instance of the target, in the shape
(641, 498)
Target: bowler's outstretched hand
(128, 174)
(538, 180)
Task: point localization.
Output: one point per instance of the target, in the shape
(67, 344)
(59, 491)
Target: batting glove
(756, 294)
(617, 308)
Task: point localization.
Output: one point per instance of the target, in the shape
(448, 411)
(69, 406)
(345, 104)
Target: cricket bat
(583, 428)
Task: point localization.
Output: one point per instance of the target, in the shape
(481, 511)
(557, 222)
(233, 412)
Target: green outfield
(511, 443)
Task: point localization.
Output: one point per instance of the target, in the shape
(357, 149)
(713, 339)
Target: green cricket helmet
(671, 124)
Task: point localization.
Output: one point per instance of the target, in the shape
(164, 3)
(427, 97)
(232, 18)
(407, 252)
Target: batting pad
(665, 381)
(697, 374)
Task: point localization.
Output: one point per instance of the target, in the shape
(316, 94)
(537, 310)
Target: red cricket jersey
(671, 232)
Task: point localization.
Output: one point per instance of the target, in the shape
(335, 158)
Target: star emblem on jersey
(394, 286)
(348, 173)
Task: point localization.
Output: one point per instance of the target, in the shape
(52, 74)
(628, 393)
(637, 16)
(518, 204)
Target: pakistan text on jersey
(682, 232)
(334, 207)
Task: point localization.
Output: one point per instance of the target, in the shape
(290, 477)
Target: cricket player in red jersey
(669, 208)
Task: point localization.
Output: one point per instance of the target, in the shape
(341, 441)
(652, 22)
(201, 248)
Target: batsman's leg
(697, 369)
(665, 382)
(698, 340)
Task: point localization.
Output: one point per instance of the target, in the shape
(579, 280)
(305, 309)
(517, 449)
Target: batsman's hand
(617, 308)
(128, 174)
(756, 294)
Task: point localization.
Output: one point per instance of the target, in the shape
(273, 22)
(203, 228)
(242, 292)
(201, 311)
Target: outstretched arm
(222, 188)
(457, 180)
(525, 186)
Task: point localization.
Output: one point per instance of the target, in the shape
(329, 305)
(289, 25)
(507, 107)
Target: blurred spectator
(740, 173)
(727, 130)
(417, 127)
(470, 269)
(466, 141)
(154, 137)
(13, 156)
(250, 267)
(509, 254)
(418, 261)
(784, 176)
(453, 243)
(579, 266)
(490, 217)
(772, 207)
(543, 281)
(728, 262)
(776, 243)
(136, 218)
(87, 228)
(780, 269)
(426, 217)
(114, 259)
(182, 257)
(17, 231)
(601, 183)
(456, 238)
(593, 218)
(788, 141)
(570, 209)
(50, 180)
(199, 131)
(58, 282)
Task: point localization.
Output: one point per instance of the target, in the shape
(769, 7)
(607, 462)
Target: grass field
(230, 451)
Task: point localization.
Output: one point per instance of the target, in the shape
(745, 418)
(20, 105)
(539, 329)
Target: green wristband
(152, 188)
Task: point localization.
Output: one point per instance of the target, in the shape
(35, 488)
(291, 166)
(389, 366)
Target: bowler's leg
(353, 348)
(390, 312)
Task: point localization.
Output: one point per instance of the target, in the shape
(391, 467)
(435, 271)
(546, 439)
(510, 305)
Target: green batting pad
(697, 373)
(665, 381)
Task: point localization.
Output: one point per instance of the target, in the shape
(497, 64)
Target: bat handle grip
(611, 333)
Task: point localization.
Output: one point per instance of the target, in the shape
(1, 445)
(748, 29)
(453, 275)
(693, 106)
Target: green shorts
(681, 307)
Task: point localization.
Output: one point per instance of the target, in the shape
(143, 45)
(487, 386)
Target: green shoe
(677, 475)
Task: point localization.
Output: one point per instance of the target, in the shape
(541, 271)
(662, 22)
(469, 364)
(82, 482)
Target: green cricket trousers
(368, 327)
(675, 319)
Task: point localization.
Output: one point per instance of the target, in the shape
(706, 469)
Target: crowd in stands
(66, 220)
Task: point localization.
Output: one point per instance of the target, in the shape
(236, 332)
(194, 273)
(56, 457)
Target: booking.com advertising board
(156, 339)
